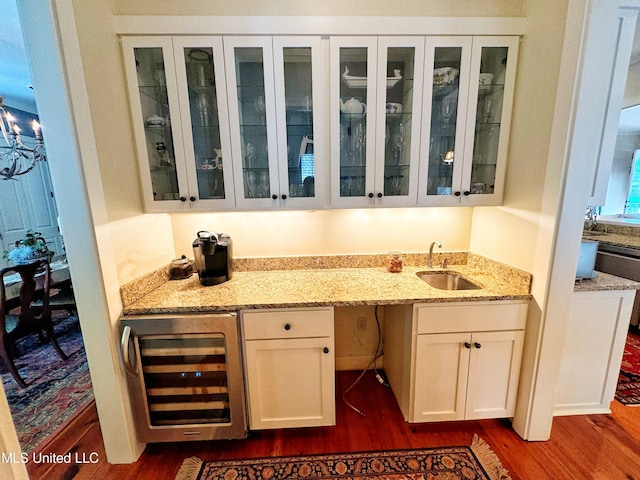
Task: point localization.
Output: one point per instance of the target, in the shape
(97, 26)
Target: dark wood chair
(29, 318)
(61, 298)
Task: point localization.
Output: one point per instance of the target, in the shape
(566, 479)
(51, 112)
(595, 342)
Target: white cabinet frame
(432, 43)
(454, 361)
(335, 45)
(165, 43)
(264, 43)
(318, 87)
(384, 43)
(505, 119)
(289, 367)
(215, 43)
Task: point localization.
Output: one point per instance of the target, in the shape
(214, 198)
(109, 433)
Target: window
(632, 205)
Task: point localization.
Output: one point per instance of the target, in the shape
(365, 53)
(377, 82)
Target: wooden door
(28, 204)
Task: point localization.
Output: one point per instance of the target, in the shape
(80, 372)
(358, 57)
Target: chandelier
(15, 157)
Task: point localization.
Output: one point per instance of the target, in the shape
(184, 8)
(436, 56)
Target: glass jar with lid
(394, 262)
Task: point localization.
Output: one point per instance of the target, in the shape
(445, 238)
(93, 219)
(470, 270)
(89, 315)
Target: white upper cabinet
(448, 68)
(303, 157)
(466, 122)
(254, 122)
(154, 106)
(399, 100)
(275, 111)
(375, 104)
(179, 112)
(252, 119)
(205, 121)
(352, 120)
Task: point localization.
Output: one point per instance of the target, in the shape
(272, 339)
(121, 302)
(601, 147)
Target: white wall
(257, 234)
(632, 90)
(509, 233)
(409, 8)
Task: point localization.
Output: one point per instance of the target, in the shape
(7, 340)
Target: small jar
(180, 268)
(394, 262)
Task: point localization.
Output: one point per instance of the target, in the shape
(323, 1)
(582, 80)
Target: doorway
(57, 390)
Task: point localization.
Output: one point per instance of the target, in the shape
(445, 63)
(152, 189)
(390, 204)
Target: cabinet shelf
(299, 109)
(167, 169)
(204, 129)
(484, 165)
(398, 117)
(444, 90)
(484, 90)
(158, 131)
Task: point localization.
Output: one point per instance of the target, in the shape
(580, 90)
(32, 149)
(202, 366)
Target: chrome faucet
(430, 258)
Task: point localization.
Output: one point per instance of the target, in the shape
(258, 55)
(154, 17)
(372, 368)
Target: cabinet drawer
(471, 316)
(298, 323)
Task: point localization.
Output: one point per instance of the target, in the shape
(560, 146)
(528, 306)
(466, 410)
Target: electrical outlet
(362, 323)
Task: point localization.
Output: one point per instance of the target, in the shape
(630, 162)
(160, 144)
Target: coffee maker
(213, 253)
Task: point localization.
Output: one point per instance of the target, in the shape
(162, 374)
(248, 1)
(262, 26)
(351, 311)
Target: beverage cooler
(185, 376)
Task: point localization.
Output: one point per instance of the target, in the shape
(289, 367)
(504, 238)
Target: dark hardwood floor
(581, 447)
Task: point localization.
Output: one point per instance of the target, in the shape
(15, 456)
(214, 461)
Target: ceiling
(15, 78)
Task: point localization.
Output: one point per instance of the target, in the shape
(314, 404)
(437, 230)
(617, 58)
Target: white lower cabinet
(455, 361)
(593, 349)
(289, 367)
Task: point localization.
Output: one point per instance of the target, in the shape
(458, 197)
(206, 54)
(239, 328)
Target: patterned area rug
(56, 390)
(476, 461)
(628, 389)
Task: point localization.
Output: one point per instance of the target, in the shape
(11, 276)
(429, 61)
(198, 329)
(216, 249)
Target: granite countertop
(605, 281)
(618, 237)
(320, 287)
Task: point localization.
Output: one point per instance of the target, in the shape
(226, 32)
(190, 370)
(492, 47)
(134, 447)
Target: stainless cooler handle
(124, 345)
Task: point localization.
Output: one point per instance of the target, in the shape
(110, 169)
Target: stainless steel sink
(447, 281)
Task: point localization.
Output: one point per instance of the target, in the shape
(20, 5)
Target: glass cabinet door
(200, 74)
(491, 96)
(353, 107)
(153, 96)
(447, 70)
(249, 69)
(400, 74)
(298, 66)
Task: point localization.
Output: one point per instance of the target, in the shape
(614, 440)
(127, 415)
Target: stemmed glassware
(251, 156)
(357, 144)
(486, 108)
(399, 142)
(447, 108)
(260, 107)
